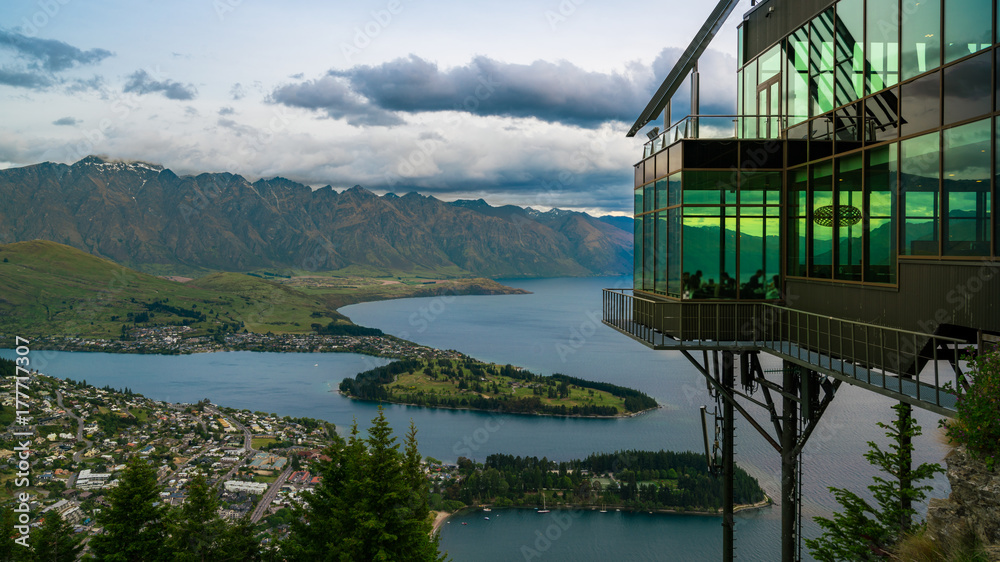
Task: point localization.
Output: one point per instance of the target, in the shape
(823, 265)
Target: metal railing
(897, 361)
(717, 127)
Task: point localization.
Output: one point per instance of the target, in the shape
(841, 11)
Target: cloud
(334, 95)
(49, 54)
(22, 79)
(67, 121)
(554, 92)
(238, 91)
(140, 82)
(36, 61)
(228, 110)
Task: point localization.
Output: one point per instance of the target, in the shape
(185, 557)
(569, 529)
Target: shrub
(977, 423)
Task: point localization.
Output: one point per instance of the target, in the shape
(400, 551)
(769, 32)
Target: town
(83, 436)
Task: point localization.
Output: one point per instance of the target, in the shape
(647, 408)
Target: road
(77, 456)
(269, 495)
(247, 444)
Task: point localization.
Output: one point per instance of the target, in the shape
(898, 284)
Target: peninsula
(465, 383)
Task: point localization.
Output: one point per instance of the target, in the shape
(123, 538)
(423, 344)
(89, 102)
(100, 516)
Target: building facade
(857, 180)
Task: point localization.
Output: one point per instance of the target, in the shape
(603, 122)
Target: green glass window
(661, 193)
(638, 202)
(918, 168)
(882, 116)
(674, 189)
(637, 258)
(660, 275)
(968, 27)
(649, 197)
(709, 254)
(879, 220)
(846, 217)
(821, 63)
(850, 79)
(797, 76)
(648, 251)
(966, 188)
(967, 90)
(750, 99)
(921, 37)
(716, 187)
(882, 48)
(821, 205)
(920, 105)
(760, 188)
(798, 210)
(674, 225)
(759, 250)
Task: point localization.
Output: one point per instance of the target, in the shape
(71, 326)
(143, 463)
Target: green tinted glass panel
(918, 166)
(882, 48)
(709, 257)
(648, 251)
(674, 188)
(759, 188)
(649, 197)
(821, 63)
(880, 219)
(660, 274)
(638, 202)
(967, 27)
(750, 100)
(637, 261)
(661, 193)
(850, 79)
(797, 76)
(821, 204)
(798, 210)
(921, 37)
(674, 252)
(966, 188)
(716, 187)
(847, 217)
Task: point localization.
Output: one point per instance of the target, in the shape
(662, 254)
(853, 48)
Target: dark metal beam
(685, 64)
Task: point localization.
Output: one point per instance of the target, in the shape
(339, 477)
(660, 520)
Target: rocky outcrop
(972, 509)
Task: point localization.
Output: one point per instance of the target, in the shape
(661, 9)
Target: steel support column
(728, 441)
(789, 464)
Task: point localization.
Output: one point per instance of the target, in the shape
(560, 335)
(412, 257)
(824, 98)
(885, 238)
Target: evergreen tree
(10, 551)
(196, 528)
(370, 505)
(134, 522)
(869, 532)
(55, 541)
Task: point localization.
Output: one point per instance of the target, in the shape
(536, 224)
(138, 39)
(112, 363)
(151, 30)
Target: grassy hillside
(52, 289)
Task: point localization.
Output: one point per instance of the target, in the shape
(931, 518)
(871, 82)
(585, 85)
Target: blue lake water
(555, 329)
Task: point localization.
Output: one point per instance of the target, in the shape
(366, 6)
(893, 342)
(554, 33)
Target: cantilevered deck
(919, 369)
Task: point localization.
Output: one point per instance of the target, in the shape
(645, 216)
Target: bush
(977, 423)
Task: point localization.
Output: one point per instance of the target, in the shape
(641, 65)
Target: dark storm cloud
(140, 82)
(66, 121)
(335, 97)
(555, 92)
(48, 54)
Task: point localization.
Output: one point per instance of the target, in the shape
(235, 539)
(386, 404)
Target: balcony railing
(717, 127)
(899, 363)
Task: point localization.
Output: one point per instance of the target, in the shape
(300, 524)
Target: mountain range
(149, 218)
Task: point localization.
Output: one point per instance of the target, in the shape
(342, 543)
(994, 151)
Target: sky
(515, 102)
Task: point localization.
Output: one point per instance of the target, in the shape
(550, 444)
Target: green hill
(51, 289)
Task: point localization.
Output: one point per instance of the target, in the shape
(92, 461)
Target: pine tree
(55, 541)
(370, 505)
(866, 532)
(195, 528)
(134, 522)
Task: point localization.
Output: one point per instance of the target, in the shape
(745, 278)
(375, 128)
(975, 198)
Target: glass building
(857, 179)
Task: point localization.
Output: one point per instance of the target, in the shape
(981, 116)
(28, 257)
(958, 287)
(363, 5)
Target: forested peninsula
(474, 385)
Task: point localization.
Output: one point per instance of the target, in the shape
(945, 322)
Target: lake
(557, 328)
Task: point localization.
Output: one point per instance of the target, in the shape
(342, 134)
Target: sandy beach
(439, 517)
